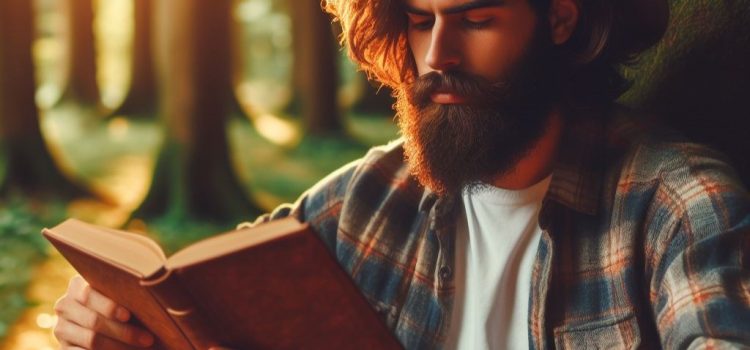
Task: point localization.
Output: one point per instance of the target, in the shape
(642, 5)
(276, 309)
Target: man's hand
(89, 320)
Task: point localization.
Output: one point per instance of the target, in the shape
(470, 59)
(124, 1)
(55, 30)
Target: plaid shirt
(645, 244)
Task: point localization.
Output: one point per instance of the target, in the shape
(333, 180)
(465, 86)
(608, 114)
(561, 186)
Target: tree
(79, 82)
(28, 165)
(315, 67)
(141, 96)
(697, 79)
(194, 177)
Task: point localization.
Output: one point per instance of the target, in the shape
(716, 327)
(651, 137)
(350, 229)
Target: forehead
(452, 6)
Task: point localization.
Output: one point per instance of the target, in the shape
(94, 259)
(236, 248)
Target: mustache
(477, 90)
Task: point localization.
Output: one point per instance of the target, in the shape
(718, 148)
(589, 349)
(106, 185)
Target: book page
(133, 252)
(232, 241)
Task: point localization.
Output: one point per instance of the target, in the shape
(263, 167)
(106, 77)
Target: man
(522, 207)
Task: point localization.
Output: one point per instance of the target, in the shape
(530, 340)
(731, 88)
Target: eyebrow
(472, 5)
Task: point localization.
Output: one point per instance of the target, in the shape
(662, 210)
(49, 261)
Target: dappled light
(276, 130)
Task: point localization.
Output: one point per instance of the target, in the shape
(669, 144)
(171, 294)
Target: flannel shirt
(645, 243)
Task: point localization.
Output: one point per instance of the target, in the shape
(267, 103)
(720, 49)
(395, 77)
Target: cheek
(419, 45)
(491, 53)
(486, 55)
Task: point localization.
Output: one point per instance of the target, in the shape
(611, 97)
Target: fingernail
(146, 339)
(122, 314)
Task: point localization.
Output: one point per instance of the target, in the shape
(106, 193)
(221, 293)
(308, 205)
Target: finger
(76, 283)
(101, 304)
(92, 320)
(70, 334)
(78, 337)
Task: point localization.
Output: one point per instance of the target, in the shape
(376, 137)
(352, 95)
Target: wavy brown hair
(374, 34)
(608, 34)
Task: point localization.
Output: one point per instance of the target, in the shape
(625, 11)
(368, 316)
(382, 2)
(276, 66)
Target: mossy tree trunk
(194, 176)
(27, 165)
(79, 78)
(316, 75)
(698, 77)
(140, 99)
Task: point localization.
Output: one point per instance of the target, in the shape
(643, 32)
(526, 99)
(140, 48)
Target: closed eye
(474, 24)
(420, 22)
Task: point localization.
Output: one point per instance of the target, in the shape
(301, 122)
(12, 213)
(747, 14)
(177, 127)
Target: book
(272, 286)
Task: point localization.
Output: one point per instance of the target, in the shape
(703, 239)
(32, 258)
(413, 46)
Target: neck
(537, 163)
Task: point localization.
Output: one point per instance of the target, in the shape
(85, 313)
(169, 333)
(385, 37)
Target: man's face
(480, 37)
(487, 81)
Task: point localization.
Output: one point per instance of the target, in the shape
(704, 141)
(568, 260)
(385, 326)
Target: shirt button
(445, 273)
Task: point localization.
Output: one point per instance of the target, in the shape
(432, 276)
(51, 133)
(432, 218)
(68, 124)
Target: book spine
(168, 291)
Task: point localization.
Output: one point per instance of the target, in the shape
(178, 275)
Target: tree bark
(193, 176)
(315, 68)
(28, 165)
(140, 100)
(79, 82)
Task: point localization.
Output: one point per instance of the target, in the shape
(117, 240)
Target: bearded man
(522, 208)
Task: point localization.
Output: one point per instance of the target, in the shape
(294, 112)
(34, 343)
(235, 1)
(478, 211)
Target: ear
(563, 18)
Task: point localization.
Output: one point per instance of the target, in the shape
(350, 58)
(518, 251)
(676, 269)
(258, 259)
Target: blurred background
(174, 118)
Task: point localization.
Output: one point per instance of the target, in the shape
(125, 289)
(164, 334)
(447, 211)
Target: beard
(452, 146)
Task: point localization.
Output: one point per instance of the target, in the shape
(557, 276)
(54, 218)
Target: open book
(273, 286)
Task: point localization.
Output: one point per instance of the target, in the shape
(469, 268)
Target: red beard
(448, 147)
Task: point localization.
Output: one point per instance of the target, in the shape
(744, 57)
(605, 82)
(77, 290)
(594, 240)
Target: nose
(443, 53)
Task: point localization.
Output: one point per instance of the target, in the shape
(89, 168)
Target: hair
(374, 34)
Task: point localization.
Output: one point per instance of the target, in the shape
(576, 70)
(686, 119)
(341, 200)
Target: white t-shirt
(496, 243)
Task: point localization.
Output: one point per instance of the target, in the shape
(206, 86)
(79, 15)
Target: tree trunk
(697, 79)
(315, 68)
(140, 100)
(79, 82)
(28, 165)
(375, 100)
(193, 176)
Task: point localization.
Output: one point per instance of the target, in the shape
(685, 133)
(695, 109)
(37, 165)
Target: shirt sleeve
(700, 287)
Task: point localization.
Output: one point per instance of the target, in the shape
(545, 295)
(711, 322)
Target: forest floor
(115, 158)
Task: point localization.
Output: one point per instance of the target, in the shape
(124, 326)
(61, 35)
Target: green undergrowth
(21, 248)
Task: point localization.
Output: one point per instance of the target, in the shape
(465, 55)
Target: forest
(175, 118)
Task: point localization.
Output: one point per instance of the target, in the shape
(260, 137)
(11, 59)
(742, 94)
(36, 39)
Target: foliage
(21, 248)
(278, 173)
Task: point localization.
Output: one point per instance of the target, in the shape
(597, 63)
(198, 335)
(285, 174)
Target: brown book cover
(272, 286)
